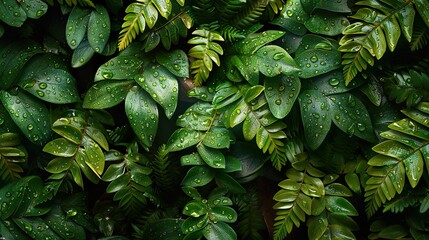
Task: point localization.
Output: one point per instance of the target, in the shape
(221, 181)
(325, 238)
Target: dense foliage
(214, 119)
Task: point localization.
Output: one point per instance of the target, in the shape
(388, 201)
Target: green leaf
(217, 138)
(198, 176)
(29, 115)
(167, 228)
(31, 226)
(183, 138)
(61, 147)
(113, 172)
(162, 86)
(118, 184)
(59, 164)
(274, 60)
(315, 116)
(13, 58)
(213, 157)
(194, 225)
(106, 94)
(225, 180)
(175, 61)
(340, 6)
(195, 209)
(326, 23)
(255, 41)
(340, 205)
(34, 8)
(316, 56)
(77, 24)
(98, 28)
(351, 116)
(281, 94)
(45, 76)
(119, 67)
(292, 17)
(220, 230)
(82, 54)
(142, 113)
(62, 225)
(223, 214)
(12, 13)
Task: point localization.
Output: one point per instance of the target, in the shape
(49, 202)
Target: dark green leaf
(34, 8)
(162, 86)
(195, 209)
(175, 61)
(213, 157)
(220, 230)
(326, 23)
(120, 67)
(183, 138)
(198, 176)
(274, 60)
(12, 13)
(82, 54)
(106, 94)
(98, 28)
(29, 115)
(340, 205)
(77, 24)
(281, 93)
(142, 113)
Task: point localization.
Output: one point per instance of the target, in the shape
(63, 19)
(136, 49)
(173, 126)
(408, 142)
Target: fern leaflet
(378, 27)
(247, 105)
(10, 157)
(401, 156)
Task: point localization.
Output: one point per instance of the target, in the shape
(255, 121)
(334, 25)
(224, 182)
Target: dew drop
(334, 81)
(314, 59)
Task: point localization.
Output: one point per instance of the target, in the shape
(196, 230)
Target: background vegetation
(215, 119)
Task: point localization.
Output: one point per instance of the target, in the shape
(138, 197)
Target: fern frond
(245, 104)
(377, 28)
(169, 32)
(129, 179)
(231, 34)
(294, 200)
(10, 157)
(164, 177)
(250, 220)
(204, 53)
(409, 87)
(402, 202)
(228, 9)
(139, 15)
(204, 10)
(250, 13)
(401, 156)
(420, 36)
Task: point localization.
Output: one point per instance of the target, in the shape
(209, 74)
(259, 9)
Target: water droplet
(40, 93)
(30, 127)
(73, 42)
(278, 101)
(314, 59)
(42, 85)
(334, 81)
(278, 56)
(39, 13)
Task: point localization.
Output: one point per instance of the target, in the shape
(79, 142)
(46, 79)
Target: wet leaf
(98, 28)
(119, 67)
(77, 24)
(106, 94)
(12, 13)
(45, 76)
(213, 157)
(82, 54)
(142, 113)
(183, 138)
(34, 8)
(175, 61)
(327, 23)
(162, 87)
(29, 115)
(281, 93)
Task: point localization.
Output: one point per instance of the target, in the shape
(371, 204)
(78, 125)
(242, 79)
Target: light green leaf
(142, 113)
(340, 205)
(61, 147)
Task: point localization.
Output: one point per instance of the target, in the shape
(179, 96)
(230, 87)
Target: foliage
(204, 119)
